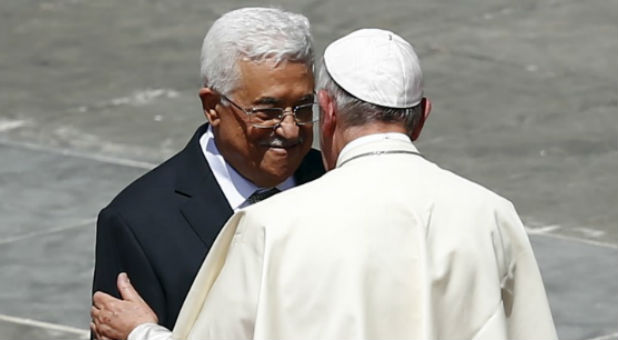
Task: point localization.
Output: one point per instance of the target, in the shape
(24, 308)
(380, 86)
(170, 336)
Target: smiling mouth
(278, 143)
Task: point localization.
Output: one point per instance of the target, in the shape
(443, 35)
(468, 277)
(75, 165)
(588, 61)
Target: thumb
(126, 288)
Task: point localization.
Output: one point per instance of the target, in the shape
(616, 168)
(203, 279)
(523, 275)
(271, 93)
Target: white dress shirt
(235, 187)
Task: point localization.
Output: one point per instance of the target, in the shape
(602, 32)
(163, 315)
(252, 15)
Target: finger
(100, 299)
(106, 332)
(126, 288)
(96, 299)
(102, 317)
(94, 312)
(93, 329)
(105, 301)
(97, 319)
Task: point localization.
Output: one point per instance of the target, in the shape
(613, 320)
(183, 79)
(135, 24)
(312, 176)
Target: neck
(353, 132)
(342, 135)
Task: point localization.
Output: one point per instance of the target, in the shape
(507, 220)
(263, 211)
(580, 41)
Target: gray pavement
(92, 94)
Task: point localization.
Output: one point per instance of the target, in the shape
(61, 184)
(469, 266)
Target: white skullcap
(376, 66)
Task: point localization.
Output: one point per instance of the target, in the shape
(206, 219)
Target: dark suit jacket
(161, 226)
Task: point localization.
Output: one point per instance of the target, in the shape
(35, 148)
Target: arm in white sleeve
(528, 314)
(150, 331)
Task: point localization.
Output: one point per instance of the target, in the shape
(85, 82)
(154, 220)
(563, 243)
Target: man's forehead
(271, 65)
(264, 81)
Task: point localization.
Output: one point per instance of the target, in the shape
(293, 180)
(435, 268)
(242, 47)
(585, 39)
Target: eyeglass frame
(284, 112)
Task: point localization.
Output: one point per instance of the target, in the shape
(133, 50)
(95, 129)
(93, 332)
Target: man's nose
(288, 127)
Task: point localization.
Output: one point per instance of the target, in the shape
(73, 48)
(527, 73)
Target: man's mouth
(279, 143)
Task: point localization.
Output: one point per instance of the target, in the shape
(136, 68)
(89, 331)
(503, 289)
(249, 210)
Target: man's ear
(328, 116)
(210, 99)
(426, 110)
(328, 128)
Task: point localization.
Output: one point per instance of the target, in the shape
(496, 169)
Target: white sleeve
(527, 310)
(222, 302)
(150, 331)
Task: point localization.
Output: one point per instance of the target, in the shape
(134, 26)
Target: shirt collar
(369, 139)
(235, 187)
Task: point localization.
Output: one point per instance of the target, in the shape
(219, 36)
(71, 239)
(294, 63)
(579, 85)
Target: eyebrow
(267, 101)
(275, 102)
(307, 98)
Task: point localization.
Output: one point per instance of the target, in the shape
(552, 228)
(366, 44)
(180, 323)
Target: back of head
(255, 34)
(373, 75)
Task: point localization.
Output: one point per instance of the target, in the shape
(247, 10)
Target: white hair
(355, 112)
(255, 34)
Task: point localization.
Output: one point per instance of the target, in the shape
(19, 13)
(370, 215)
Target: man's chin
(273, 178)
(278, 165)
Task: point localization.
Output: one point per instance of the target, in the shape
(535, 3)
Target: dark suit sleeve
(118, 250)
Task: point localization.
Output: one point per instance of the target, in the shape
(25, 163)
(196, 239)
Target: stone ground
(95, 93)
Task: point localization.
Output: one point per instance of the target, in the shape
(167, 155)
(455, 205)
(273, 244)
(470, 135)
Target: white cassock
(386, 246)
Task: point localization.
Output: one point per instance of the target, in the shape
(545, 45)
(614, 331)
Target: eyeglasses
(271, 117)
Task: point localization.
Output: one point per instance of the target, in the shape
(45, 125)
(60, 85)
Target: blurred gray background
(95, 93)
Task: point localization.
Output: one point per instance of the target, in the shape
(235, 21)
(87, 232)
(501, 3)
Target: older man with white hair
(386, 245)
(258, 98)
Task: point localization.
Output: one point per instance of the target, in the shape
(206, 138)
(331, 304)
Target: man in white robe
(386, 245)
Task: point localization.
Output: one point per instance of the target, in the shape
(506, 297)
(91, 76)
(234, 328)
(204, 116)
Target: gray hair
(255, 34)
(356, 112)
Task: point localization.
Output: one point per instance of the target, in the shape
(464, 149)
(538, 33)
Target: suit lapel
(206, 216)
(206, 208)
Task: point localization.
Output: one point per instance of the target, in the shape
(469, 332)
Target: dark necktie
(263, 194)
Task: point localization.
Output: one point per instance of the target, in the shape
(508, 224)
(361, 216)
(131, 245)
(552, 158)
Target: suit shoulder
(310, 168)
(313, 160)
(149, 187)
(314, 157)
